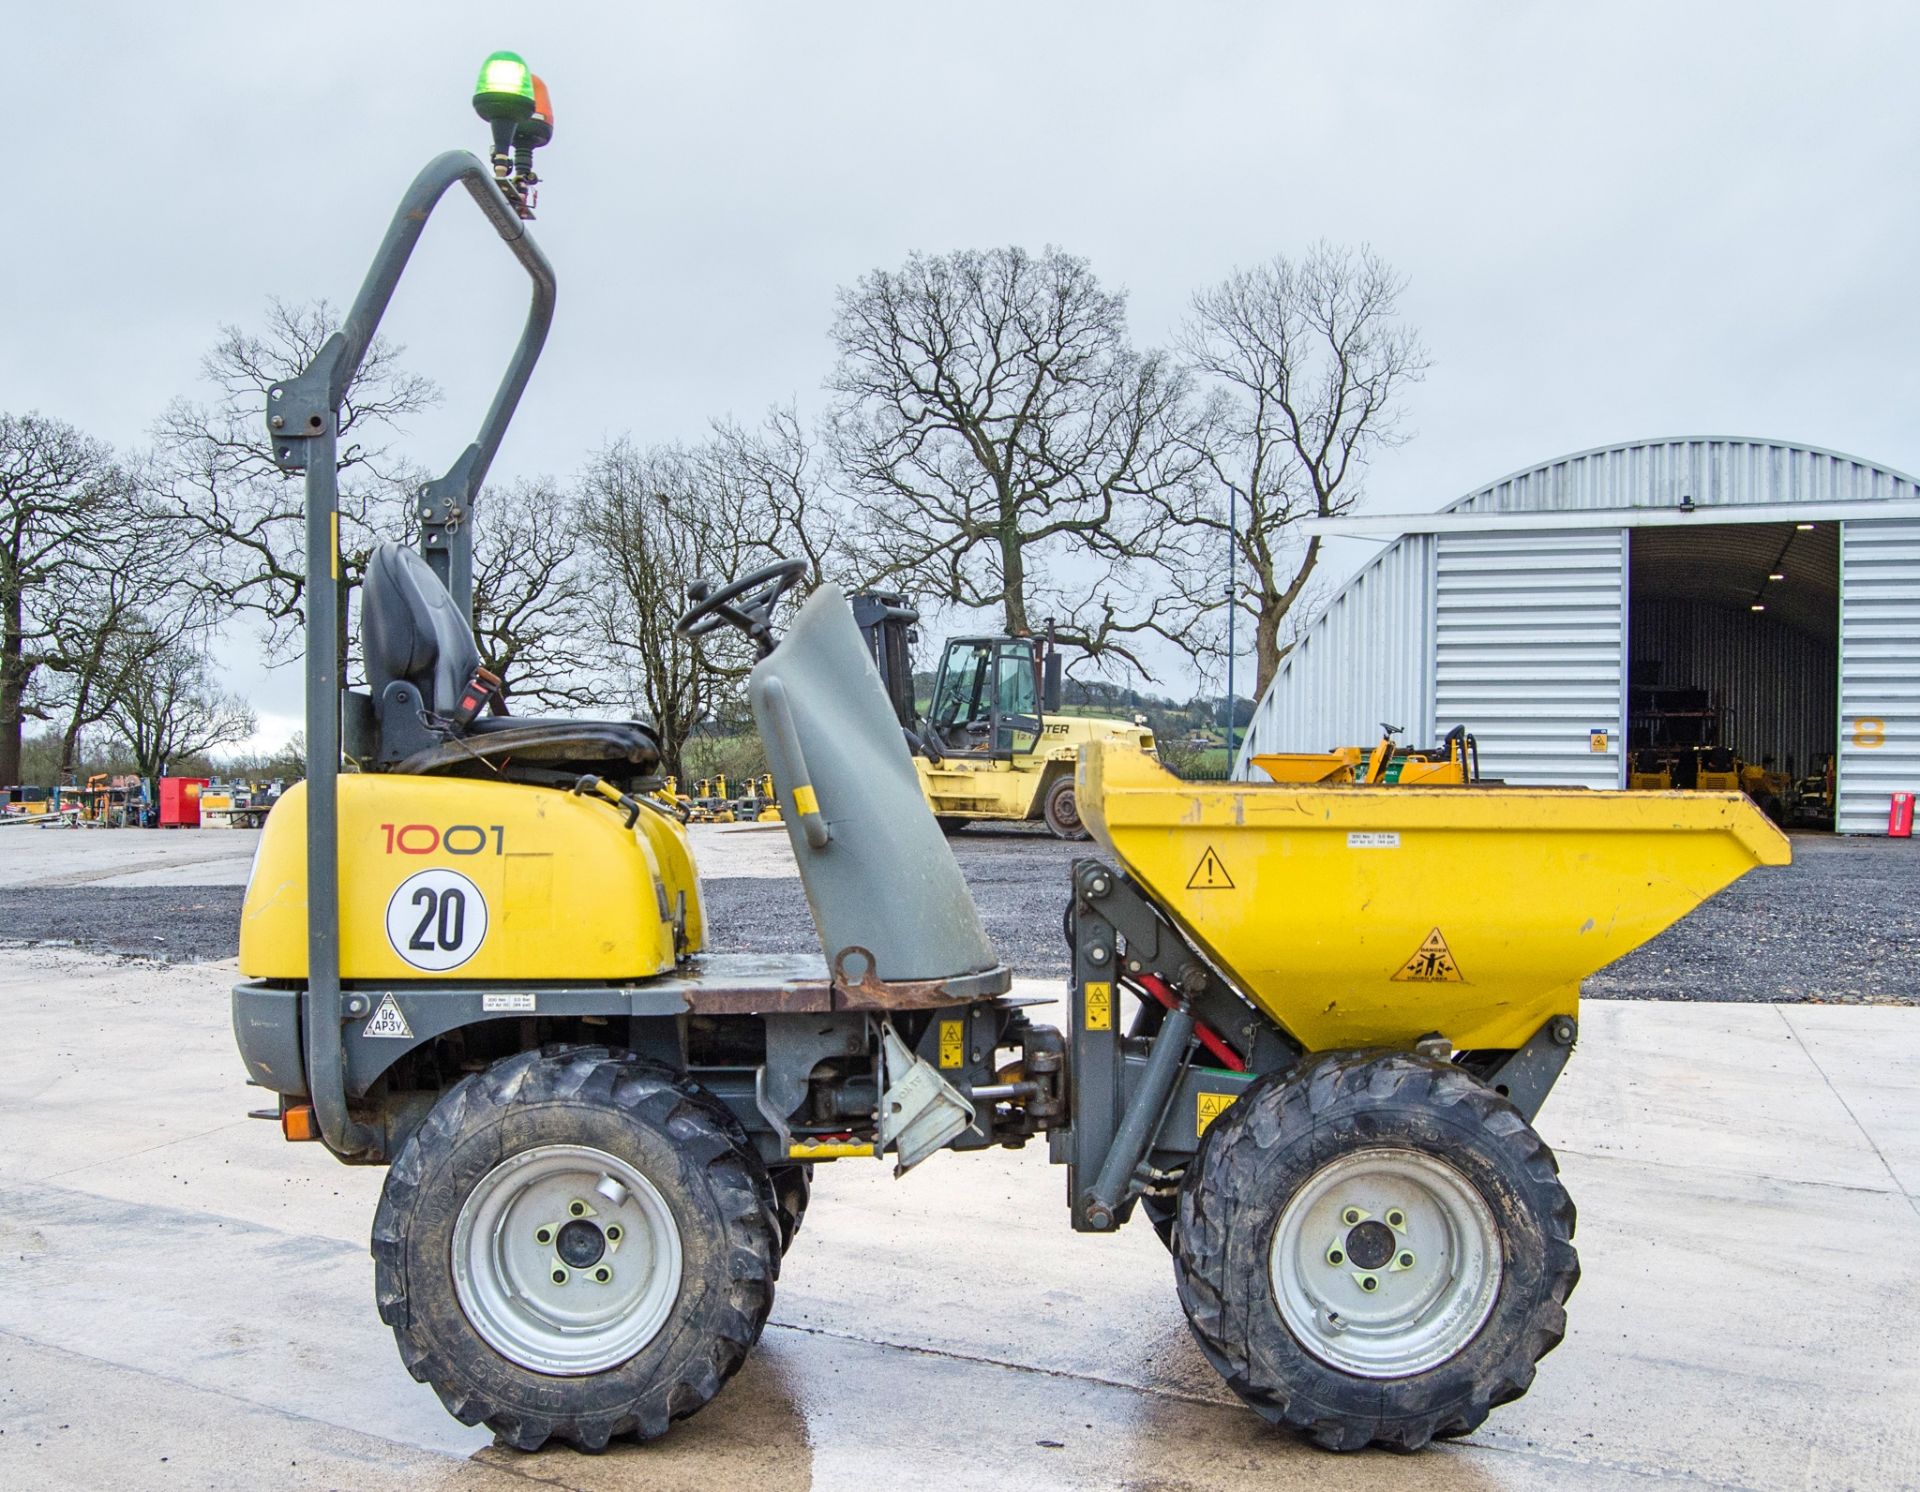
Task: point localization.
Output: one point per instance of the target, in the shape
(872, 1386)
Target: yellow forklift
(1304, 1035)
(994, 745)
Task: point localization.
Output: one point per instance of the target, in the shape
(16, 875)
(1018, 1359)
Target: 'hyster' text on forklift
(1307, 1026)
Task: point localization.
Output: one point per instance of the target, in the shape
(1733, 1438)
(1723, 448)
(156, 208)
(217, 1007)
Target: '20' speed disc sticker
(437, 920)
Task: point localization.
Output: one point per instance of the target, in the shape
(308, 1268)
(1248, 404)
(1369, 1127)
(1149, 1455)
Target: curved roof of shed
(1714, 470)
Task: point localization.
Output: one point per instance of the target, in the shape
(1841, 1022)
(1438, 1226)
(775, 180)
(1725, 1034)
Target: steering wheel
(746, 603)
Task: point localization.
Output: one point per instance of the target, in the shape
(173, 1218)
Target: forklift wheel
(1377, 1250)
(1062, 812)
(575, 1245)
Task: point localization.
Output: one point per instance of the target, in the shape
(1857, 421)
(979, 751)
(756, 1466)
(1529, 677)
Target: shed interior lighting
(1757, 606)
(1776, 575)
(1805, 528)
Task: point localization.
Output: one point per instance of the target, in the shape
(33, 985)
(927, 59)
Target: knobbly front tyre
(576, 1244)
(1374, 1250)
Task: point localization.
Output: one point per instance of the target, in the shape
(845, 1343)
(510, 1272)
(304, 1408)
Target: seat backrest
(411, 630)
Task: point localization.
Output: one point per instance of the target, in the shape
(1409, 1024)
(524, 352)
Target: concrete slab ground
(187, 1301)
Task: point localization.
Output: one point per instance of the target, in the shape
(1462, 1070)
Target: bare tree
(248, 513)
(172, 705)
(529, 595)
(70, 515)
(654, 518)
(770, 476)
(1310, 358)
(1009, 449)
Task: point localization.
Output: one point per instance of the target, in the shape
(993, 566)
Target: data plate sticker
(1375, 839)
(437, 920)
(526, 1002)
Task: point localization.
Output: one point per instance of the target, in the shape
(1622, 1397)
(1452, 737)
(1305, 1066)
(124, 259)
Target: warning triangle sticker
(1209, 874)
(1432, 963)
(388, 1021)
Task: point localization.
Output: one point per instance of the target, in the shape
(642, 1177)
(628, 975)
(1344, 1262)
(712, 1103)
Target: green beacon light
(503, 96)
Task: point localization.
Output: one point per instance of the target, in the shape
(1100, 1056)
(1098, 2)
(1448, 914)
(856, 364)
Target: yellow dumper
(1308, 1026)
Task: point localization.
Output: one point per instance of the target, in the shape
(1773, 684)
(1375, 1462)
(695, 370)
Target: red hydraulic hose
(1154, 985)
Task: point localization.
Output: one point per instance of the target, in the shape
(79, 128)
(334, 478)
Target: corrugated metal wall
(1528, 651)
(1879, 670)
(1776, 684)
(1710, 471)
(1368, 659)
(1380, 647)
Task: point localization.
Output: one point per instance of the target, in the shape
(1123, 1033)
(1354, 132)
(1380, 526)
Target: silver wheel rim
(531, 1279)
(1385, 1263)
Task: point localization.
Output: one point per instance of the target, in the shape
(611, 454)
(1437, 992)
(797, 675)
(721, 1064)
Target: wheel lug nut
(613, 1232)
(1396, 1219)
(559, 1276)
(545, 1235)
(1350, 1216)
(1406, 1261)
(1369, 1283)
(1335, 1257)
(578, 1209)
(603, 1274)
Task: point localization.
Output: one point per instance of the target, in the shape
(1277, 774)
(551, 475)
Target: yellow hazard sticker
(1209, 874)
(1432, 963)
(1207, 1108)
(804, 800)
(1099, 1005)
(953, 1043)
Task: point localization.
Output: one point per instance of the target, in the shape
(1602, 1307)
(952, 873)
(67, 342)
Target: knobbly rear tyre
(1276, 1172)
(671, 1140)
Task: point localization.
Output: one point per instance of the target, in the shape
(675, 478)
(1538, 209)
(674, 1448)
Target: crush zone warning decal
(437, 920)
(1432, 963)
(1209, 1107)
(1209, 874)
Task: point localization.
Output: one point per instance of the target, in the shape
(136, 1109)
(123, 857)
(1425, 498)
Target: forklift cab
(988, 698)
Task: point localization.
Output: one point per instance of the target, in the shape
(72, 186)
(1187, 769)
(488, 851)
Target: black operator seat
(429, 690)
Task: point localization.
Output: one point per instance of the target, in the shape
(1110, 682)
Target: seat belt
(475, 694)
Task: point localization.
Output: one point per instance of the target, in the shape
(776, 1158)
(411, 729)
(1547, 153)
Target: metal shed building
(1542, 611)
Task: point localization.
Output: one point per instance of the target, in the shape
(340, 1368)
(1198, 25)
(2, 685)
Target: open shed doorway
(1733, 636)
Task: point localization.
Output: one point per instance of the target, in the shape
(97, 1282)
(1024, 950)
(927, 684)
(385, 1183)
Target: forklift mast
(886, 624)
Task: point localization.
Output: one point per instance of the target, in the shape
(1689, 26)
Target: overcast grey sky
(1618, 220)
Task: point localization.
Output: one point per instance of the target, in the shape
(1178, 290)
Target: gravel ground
(1841, 925)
